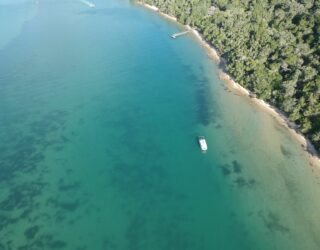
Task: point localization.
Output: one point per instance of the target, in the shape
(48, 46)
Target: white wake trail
(89, 4)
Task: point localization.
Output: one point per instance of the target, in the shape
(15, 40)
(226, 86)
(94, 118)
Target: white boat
(202, 143)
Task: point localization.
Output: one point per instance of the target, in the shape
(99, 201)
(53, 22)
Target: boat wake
(89, 4)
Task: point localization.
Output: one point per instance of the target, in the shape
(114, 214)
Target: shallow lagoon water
(100, 110)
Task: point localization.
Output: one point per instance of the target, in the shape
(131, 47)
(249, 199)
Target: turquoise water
(99, 113)
(13, 14)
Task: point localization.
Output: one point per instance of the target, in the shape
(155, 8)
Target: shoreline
(276, 114)
(279, 116)
(156, 9)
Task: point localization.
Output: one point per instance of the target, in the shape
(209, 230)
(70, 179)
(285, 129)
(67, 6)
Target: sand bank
(234, 86)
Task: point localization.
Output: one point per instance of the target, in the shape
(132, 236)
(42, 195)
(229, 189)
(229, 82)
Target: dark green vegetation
(270, 47)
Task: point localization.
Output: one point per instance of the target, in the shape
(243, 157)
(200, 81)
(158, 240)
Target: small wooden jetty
(175, 35)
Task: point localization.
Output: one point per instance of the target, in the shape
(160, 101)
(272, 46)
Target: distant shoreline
(281, 118)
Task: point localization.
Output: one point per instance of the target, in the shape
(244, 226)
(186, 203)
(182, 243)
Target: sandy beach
(278, 115)
(151, 7)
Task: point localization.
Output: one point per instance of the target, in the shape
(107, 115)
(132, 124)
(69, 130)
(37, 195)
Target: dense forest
(271, 47)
